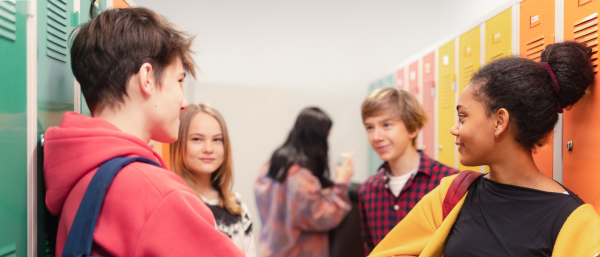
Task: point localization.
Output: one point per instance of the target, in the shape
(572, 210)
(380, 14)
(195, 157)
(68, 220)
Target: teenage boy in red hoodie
(393, 119)
(131, 64)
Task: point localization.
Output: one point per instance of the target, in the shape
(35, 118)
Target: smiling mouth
(381, 148)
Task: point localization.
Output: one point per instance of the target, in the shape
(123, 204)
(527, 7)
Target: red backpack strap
(457, 190)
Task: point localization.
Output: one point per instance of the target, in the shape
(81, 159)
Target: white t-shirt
(396, 183)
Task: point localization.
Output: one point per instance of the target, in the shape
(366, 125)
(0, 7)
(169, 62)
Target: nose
(454, 130)
(377, 134)
(208, 147)
(184, 104)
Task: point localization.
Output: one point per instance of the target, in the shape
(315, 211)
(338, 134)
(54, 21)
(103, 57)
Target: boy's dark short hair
(110, 48)
(401, 103)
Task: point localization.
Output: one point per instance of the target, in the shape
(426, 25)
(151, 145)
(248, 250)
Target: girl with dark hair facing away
(505, 113)
(297, 202)
(202, 157)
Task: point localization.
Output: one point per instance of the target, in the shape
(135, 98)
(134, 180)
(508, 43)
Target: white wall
(263, 61)
(260, 118)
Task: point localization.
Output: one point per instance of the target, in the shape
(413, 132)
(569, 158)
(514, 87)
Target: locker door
(120, 4)
(428, 94)
(413, 80)
(13, 128)
(581, 124)
(536, 32)
(446, 106)
(400, 84)
(84, 16)
(374, 160)
(469, 59)
(55, 79)
(498, 36)
(55, 92)
(413, 88)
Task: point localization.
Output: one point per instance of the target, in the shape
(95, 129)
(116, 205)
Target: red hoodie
(147, 210)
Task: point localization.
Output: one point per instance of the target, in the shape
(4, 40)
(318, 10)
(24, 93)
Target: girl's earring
(496, 133)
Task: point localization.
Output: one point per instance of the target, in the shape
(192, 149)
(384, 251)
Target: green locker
(84, 16)
(13, 128)
(55, 93)
(56, 87)
(55, 79)
(374, 160)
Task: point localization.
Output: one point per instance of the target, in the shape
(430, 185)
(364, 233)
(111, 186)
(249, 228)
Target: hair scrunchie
(547, 66)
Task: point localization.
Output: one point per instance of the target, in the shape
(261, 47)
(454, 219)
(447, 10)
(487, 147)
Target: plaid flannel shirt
(297, 214)
(380, 210)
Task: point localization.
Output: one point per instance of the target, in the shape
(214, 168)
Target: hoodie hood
(79, 146)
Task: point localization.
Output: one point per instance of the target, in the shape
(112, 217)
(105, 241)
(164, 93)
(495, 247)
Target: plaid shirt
(380, 210)
(297, 214)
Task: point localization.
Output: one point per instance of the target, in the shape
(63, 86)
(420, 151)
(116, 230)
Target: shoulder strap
(81, 235)
(457, 190)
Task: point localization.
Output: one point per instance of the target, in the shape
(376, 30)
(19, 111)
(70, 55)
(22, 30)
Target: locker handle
(569, 146)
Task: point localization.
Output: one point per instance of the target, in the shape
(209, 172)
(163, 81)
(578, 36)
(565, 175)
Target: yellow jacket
(422, 232)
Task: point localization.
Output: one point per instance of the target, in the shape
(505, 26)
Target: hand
(344, 172)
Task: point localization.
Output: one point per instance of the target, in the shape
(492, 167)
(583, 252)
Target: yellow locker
(469, 58)
(581, 124)
(446, 106)
(498, 36)
(536, 32)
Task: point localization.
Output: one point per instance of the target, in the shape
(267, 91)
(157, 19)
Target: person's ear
(146, 79)
(413, 134)
(502, 119)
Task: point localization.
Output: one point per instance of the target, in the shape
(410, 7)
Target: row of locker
(36, 89)
(523, 29)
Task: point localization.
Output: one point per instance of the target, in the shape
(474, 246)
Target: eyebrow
(386, 120)
(459, 106)
(200, 134)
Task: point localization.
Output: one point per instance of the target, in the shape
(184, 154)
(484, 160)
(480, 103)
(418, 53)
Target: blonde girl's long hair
(222, 178)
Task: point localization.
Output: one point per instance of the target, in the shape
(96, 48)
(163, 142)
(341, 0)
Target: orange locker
(536, 32)
(413, 80)
(498, 36)
(581, 124)
(120, 4)
(428, 90)
(400, 79)
(446, 104)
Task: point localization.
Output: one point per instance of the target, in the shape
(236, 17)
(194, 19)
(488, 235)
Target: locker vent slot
(57, 30)
(586, 31)
(8, 19)
(446, 92)
(497, 56)
(534, 48)
(8, 251)
(466, 73)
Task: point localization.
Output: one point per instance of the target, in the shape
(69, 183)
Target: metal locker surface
(13, 127)
(413, 78)
(446, 104)
(581, 125)
(429, 98)
(536, 31)
(498, 36)
(469, 59)
(400, 82)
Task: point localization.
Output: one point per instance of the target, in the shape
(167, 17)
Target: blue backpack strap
(81, 235)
